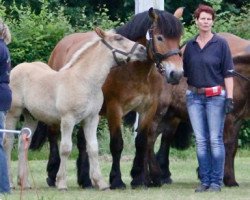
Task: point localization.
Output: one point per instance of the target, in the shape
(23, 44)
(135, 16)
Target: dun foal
(68, 97)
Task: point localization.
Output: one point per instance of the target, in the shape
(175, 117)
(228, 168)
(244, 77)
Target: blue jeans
(207, 116)
(4, 179)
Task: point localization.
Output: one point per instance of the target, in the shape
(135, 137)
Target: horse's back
(27, 76)
(21, 71)
(237, 45)
(66, 47)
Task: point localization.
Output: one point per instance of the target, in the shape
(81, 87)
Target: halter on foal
(72, 96)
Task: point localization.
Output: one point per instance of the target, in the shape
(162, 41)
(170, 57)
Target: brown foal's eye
(159, 38)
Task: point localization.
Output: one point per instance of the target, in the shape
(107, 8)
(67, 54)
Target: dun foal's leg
(11, 121)
(23, 170)
(90, 128)
(67, 125)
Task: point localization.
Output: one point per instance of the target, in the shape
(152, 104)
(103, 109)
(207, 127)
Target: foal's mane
(78, 54)
(138, 26)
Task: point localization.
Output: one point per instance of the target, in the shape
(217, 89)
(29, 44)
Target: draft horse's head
(123, 49)
(163, 42)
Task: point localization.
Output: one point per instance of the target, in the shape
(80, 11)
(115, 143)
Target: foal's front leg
(11, 120)
(67, 126)
(90, 128)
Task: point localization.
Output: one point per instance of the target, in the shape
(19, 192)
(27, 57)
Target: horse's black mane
(244, 59)
(138, 26)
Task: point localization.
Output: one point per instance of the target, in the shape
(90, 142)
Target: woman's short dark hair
(204, 8)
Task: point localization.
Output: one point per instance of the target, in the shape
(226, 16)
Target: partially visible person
(207, 59)
(5, 101)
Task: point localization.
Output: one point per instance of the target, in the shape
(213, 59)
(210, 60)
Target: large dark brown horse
(136, 86)
(177, 113)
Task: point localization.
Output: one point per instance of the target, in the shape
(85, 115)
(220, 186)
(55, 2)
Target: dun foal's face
(127, 50)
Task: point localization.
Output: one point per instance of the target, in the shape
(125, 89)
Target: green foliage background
(37, 26)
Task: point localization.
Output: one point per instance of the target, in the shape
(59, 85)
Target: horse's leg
(138, 172)
(163, 157)
(116, 147)
(231, 131)
(83, 178)
(23, 146)
(11, 121)
(90, 128)
(54, 157)
(154, 167)
(67, 125)
(144, 143)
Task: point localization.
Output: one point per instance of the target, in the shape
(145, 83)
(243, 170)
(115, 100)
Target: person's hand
(229, 105)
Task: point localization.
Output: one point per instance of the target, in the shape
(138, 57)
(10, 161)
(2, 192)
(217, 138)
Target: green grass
(183, 174)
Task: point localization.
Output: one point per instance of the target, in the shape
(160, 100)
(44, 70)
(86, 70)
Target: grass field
(183, 174)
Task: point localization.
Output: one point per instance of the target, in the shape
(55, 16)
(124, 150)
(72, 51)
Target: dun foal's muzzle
(117, 51)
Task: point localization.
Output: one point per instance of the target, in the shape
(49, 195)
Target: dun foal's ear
(152, 14)
(101, 33)
(179, 12)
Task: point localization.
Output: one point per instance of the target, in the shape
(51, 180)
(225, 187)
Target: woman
(5, 101)
(209, 97)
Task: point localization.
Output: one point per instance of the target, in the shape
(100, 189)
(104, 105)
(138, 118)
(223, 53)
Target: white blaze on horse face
(173, 73)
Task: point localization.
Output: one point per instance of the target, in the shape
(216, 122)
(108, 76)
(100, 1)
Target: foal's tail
(39, 137)
(183, 136)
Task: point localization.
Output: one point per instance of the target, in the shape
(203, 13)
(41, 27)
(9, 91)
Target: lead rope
(25, 140)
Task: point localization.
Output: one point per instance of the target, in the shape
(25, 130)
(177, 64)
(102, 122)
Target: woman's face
(204, 22)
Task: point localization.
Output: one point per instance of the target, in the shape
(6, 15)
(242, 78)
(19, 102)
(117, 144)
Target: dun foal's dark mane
(168, 25)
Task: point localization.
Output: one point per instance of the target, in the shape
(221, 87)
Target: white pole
(143, 5)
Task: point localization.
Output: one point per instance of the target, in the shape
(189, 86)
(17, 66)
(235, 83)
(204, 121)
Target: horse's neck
(94, 66)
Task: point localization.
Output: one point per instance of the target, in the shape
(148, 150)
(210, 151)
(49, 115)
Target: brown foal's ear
(179, 12)
(101, 33)
(152, 14)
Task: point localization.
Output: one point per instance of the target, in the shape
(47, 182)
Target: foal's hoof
(50, 182)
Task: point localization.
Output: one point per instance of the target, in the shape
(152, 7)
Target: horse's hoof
(138, 184)
(105, 189)
(104, 186)
(85, 184)
(231, 184)
(167, 180)
(50, 182)
(155, 184)
(117, 184)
